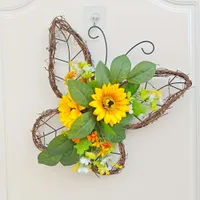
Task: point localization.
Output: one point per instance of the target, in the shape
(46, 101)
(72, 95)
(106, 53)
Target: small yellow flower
(71, 64)
(76, 166)
(81, 65)
(91, 155)
(157, 93)
(103, 171)
(111, 103)
(70, 75)
(105, 148)
(118, 166)
(96, 144)
(69, 110)
(143, 94)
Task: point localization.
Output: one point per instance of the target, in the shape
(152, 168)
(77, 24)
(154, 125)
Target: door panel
(162, 157)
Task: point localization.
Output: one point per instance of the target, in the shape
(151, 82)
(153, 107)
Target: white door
(162, 159)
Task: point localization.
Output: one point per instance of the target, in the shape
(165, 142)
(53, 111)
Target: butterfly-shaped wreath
(98, 104)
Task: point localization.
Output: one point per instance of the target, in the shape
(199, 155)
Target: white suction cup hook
(95, 18)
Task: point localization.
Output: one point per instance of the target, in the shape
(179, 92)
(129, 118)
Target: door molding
(3, 141)
(16, 7)
(193, 11)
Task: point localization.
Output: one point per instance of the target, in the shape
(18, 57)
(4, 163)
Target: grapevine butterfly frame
(60, 24)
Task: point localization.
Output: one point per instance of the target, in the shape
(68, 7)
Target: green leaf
(87, 74)
(82, 126)
(47, 159)
(125, 121)
(138, 108)
(93, 84)
(142, 72)
(120, 134)
(91, 155)
(102, 74)
(59, 145)
(106, 129)
(97, 129)
(113, 134)
(82, 146)
(80, 92)
(120, 68)
(70, 157)
(130, 87)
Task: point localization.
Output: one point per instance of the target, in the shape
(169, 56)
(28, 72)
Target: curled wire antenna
(145, 52)
(95, 20)
(95, 37)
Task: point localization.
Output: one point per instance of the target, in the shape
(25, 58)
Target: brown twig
(153, 116)
(40, 121)
(59, 23)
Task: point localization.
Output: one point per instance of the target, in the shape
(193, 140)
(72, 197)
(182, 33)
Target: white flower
(83, 170)
(107, 160)
(84, 161)
(109, 167)
(160, 102)
(152, 97)
(131, 109)
(89, 69)
(140, 116)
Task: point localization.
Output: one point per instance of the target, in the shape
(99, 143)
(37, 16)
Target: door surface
(162, 159)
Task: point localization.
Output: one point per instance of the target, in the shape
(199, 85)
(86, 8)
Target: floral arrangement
(98, 106)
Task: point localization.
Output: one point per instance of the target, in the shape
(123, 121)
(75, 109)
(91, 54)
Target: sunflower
(111, 103)
(69, 110)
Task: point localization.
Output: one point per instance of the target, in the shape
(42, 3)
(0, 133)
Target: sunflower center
(108, 103)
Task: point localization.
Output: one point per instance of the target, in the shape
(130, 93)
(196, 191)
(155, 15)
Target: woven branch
(61, 24)
(153, 116)
(120, 162)
(48, 114)
(40, 121)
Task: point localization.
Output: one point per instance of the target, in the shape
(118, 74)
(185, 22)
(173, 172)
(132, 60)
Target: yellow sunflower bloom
(69, 110)
(111, 103)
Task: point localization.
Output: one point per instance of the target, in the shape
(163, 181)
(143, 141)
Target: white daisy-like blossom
(83, 170)
(131, 109)
(152, 97)
(109, 167)
(160, 102)
(89, 69)
(141, 116)
(107, 160)
(84, 161)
